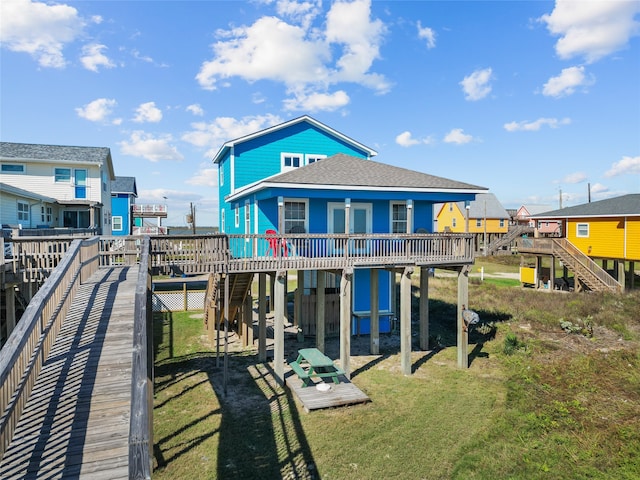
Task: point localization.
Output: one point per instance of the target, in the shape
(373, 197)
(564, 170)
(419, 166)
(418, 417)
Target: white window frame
(478, 222)
(221, 172)
(392, 221)
(584, 234)
(20, 171)
(114, 223)
(285, 155)
(247, 218)
(305, 201)
(236, 213)
(55, 175)
(23, 211)
(222, 219)
(313, 157)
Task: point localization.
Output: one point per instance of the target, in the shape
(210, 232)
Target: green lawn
(561, 405)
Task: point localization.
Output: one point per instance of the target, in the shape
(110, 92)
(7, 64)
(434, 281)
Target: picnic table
(312, 363)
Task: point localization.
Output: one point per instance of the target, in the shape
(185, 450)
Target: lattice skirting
(176, 301)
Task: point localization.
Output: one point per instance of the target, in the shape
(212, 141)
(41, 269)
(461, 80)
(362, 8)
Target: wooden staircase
(512, 234)
(584, 269)
(239, 287)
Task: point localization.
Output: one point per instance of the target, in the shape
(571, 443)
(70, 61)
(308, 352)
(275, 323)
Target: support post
(345, 322)
(297, 305)
(320, 309)
(621, 274)
(226, 335)
(463, 302)
(374, 308)
(552, 274)
(278, 325)
(262, 317)
(247, 316)
(424, 308)
(405, 321)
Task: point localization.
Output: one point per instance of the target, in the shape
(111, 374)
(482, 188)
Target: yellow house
(604, 230)
(486, 217)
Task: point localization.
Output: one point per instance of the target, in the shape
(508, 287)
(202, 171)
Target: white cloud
(427, 34)
(592, 29)
(405, 139)
(98, 110)
(536, 125)
(626, 166)
(599, 188)
(145, 145)
(476, 86)
(205, 177)
(314, 102)
(567, 82)
(299, 55)
(577, 177)
(212, 135)
(39, 29)
(148, 112)
(92, 57)
(457, 135)
(196, 109)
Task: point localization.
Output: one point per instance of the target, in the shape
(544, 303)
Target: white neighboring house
(56, 186)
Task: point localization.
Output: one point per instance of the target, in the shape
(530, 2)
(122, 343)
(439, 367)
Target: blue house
(123, 196)
(304, 178)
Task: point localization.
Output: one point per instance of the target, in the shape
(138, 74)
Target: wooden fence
(26, 350)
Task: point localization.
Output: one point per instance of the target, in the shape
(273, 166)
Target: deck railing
(141, 420)
(28, 346)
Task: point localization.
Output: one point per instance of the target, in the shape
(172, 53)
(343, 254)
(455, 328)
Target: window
(478, 222)
(247, 217)
(453, 223)
(451, 207)
(236, 212)
(291, 161)
(582, 230)
(502, 223)
(312, 158)
(399, 217)
(23, 211)
(62, 175)
(76, 219)
(222, 229)
(117, 223)
(46, 214)
(104, 182)
(12, 168)
(295, 216)
(221, 173)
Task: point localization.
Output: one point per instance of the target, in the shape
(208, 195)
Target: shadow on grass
(255, 426)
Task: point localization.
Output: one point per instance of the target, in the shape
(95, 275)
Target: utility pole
(191, 218)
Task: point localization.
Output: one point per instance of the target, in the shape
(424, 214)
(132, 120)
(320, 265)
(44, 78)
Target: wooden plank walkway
(76, 422)
(344, 393)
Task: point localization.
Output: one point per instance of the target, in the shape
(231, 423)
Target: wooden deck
(76, 422)
(345, 393)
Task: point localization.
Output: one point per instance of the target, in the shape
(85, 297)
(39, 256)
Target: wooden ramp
(342, 394)
(76, 422)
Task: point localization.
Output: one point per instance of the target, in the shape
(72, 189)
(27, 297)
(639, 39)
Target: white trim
(317, 157)
(306, 210)
(392, 203)
(288, 168)
(263, 185)
(222, 220)
(13, 164)
(578, 235)
(113, 223)
(247, 217)
(232, 171)
(236, 215)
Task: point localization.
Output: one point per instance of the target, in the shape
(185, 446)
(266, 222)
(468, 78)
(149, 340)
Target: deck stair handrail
(588, 271)
(583, 267)
(512, 234)
(26, 349)
(141, 420)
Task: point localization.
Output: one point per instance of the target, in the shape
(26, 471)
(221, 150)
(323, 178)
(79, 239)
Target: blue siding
(120, 208)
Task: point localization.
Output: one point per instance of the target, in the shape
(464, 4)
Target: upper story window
(291, 161)
(451, 207)
(221, 173)
(313, 158)
(454, 223)
(12, 168)
(399, 217)
(116, 223)
(478, 222)
(62, 175)
(582, 230)
(502, 223)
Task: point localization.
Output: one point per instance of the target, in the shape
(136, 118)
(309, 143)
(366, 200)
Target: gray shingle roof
(53, 152)
(124, 185)
(486, 205)
(627, 205)
(345, 170)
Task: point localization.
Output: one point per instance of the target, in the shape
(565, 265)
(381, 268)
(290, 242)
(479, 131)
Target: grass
(558, 406)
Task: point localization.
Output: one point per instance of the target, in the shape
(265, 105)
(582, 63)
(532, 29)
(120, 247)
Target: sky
(537, 101)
